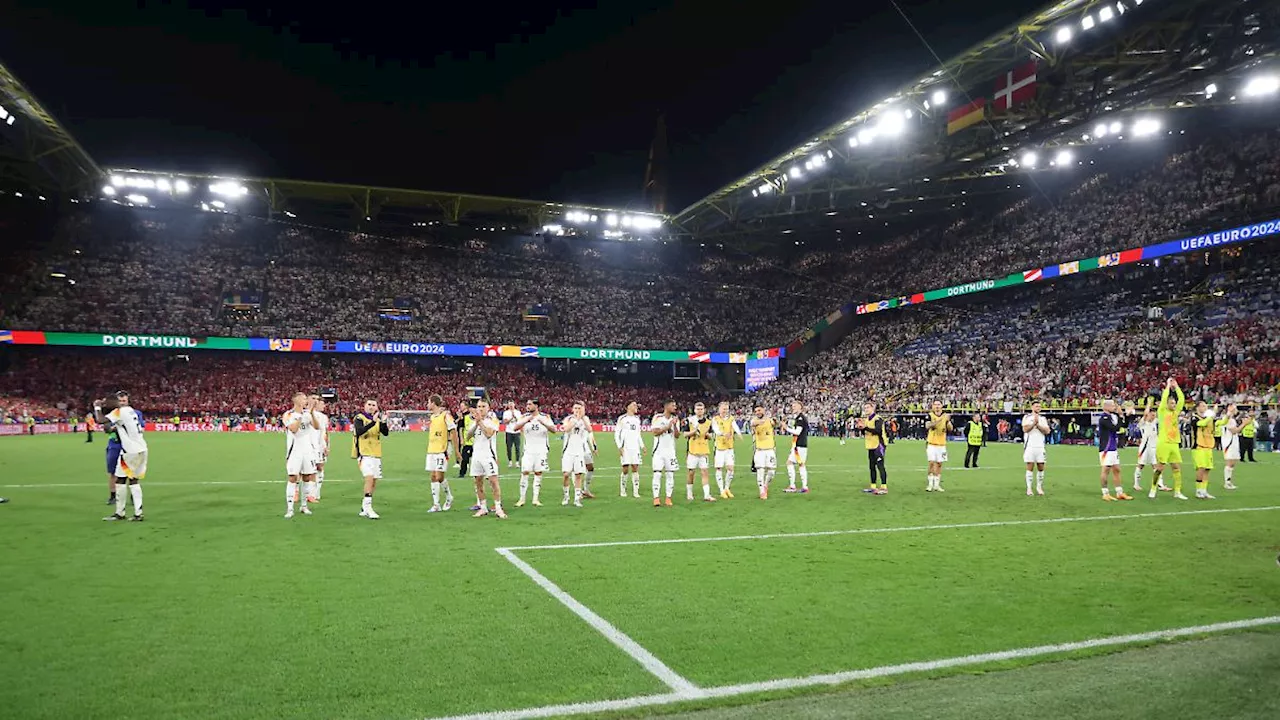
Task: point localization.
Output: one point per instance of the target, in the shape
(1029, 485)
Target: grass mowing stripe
(883, 671)
(683, 687)
(876, 531)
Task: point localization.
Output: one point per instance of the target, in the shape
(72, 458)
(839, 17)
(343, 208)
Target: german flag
(966, 115)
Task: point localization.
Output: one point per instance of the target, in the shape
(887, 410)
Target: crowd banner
(310, 345)
(1207, 241)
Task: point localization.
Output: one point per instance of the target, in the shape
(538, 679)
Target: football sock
(720, 480)
(670, 482)
(760, 479)
(586, 484)
(136, 491)
(635, 483)
(1137, 477)
(448, 491)
(657, 484)
(791, 474)
(122, 501)
(728, 479)
(768, 476)
(688, 490)
(1177, 480)
(622, 483)
(1155, 477)
(1030, 477)
(1228, 472)
(577, 495)
(1040, 480)
(367, 503)
(290, 489)
(706, 491)
(804, 477)
(319, 483)
(537, 487)
(524, 485)
(435, 493)
(564, 496)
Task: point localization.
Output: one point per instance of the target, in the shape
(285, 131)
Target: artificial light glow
(818, 160)
(794, 172)
(1146, 126)
(117, 180)
(765, 188)
(229, 189)
(108, 190)
(866, 135)
(611, 220)
(1211, 89)
(289, 214)
(891, 123)
(1087, 23)
(219, 204)
(137, 199)
(939, 97)
(1115, 127)
(907, 113)
(1262, 85)
(1100, 130)
(1029, 159)
(626, 221)
(1063, 158)
(1063, 35)
(59, 275)
(1106, 14)
(163, 185)
(182, 186)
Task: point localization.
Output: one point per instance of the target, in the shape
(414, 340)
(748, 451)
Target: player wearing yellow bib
(936, 449)
(367, 429)
(1203, 454)
(699, 452)
(766, 457)
(1167, 450)
(442, 432)
(725, 428)
(874, 431)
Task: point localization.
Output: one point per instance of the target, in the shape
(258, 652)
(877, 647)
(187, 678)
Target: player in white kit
(1148, 429)
(577, 445)
(536, 429)
(1230, 446)
(630, 441)
(131, 468)
(321, 438)
(665, 426)
(299, 457)
(484, 457)
(1035, 428)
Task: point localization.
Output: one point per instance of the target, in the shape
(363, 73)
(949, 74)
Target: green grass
(217, 607)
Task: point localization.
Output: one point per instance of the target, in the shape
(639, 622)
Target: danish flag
(1016, 86)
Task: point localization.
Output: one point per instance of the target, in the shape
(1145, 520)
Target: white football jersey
(295, 441)
(483, 447)
(321, 436)
(1148, 430)
(128, 429)
(1033, 439)
(627, 433)
(666, 441)
(577, 440)
(510, 418)
(537, 438)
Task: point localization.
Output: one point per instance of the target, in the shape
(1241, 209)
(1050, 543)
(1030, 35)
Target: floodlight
(10, 120)
(163, 185)
(108, 190)
(1063, 35)
(794, 172)
(1029, 159)
(117, 180)
(611, 220)
(1106, 13)
(1146, 126)
(1262, 85)
(939, 97)
(891, 123)
(907, 113)
(137, 199)
(1116, 127)
(219, 204)
(1087, 22)
(1063, 158)
(765, 188)
(182, 186)
(1211, 89)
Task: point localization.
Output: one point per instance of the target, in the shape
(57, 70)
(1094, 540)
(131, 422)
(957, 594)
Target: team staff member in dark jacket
(465, 421)
(874, 430)
(975, 438)
(368, 429)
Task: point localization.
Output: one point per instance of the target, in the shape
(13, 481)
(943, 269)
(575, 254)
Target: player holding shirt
(1109, 425)
(725, 428)
(665, 426)
(131, 466)
(1203, 454)
(699, 451)
(442, 432)
(536, 429)
(798, 429)
(1035, 428)
(1168, 451)
(766, 456)
(484, 457)
(1230, 446)
(630, 441)
(367, 430)
(936, 449)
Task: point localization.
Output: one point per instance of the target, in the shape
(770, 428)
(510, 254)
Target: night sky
(525, 100)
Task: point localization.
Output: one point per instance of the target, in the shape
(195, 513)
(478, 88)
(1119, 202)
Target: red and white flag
(699, 357)
(1016, 86)
(1032, 275)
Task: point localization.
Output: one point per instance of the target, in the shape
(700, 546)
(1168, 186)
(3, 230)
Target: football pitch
(979, 601)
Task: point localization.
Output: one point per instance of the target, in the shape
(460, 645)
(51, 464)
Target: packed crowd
(167, 272)
(55, 384)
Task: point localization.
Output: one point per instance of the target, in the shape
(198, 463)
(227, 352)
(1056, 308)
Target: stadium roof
(1094, 60)
(35, 150)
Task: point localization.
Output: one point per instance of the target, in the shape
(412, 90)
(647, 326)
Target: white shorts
(1110, 458)
(697, 462)
(484, 467)
(766, 459)
(533, 463)
(321, 456)
(1232, 452)
(589, 459)
(371, 467)
(573, 464)
(1033, 455)
(132, 465)
(724, 459)
(1147, 455)
(665, 462)
(300, 463)
(437, 462)
(632, 456)
(798, 456)
(936, 453)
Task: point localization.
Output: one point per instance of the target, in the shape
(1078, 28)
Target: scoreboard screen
(761, 372)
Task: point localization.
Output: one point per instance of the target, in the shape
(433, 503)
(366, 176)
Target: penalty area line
(883, 671)
(908, 528)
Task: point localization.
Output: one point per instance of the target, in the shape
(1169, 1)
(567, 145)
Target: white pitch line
(875, 531)
(682, 687)
(883, 671)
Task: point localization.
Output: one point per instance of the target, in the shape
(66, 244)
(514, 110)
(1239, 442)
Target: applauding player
(725, 429)
(536, 428)
(936, 451)
(367, 430)
(630, 442)
(1168, 452)
(1109, 425)
(874, 431)
(765, 459)
(1230, 446)
(798, 429)
(442, 432)
(484, 457)
(699, 435)
(665, 426)
(299, 457)
(1035, 428)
